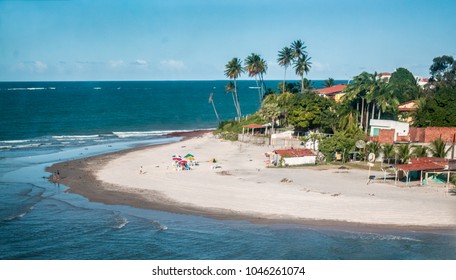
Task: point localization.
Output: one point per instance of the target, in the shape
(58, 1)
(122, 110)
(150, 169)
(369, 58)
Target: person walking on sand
(141, 170)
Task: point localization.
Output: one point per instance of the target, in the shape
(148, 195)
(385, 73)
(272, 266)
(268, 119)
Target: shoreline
(82, 176)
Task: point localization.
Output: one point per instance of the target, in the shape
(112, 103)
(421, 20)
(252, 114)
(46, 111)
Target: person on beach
(141, 170)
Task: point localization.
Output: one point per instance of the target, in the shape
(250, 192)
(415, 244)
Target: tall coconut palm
(302, 66)
(438, 148)
(298, 49)
(229, 88)
(359, 90)
(385, 99)
(233, 70)
(257, 67)
(211, 100)
(285, 59)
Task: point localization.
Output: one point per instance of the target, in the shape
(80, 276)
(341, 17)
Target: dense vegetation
(296, 106)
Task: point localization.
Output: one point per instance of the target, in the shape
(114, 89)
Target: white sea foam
(30, 88)
(378, 236)
(14, 141)
(120, 221)
(75, 137)
(125, 134)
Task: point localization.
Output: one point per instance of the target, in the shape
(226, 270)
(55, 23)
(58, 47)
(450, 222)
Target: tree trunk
(367, 118)
(362, 112)
(215, 111)
(373, 111)
(238, 107)
(379, 113)
(302, 84)
(284, 79)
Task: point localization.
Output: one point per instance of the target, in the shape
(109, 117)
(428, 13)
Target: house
(388, 131)
(293, 157)
(405, 110)
(334, 92)
(421, 81)
(385, 76)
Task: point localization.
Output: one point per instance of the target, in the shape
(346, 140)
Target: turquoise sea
(46, 122)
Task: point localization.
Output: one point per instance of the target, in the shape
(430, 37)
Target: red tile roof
(254, 125)
(331, 90)
(429, 159)
(424, 163)
(420, 166)
(294, 153)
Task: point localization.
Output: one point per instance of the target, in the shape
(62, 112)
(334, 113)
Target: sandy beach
(242, 187)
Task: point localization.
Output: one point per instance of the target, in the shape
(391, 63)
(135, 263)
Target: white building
(400, 128)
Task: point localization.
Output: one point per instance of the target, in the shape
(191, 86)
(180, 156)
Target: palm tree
(302, 66)
(211, 100)
(386, 99)
(403, 152)
(420, 151)
(229, 88)
(359, 90)
(233, 70)
(329, 82)
(270, 110)
(257, 67)
(388, 151)
(298, 49)
(438, 148)
(373, 147)
(285, 58)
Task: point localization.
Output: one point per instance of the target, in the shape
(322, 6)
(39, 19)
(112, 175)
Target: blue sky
(194, 39)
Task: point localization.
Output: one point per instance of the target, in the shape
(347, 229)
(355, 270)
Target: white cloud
(31, 66)
(173, 64)
(116, 63)
(140, 62)
(319, 67)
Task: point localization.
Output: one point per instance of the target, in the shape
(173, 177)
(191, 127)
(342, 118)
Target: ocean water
(46, 122)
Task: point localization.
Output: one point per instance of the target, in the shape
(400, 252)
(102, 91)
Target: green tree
(438, 148)
(403, 152)
(388, 152)
(343, 141)
(233, 70)
(285, 59)
(443, 71)
(437, 110)
(404, 85)
(298, 49)
(420, 151)
(329, 82)
(270, 109)
(257, 67)
(374, 147)
(302, 66)
(310, 111)
(356, 93)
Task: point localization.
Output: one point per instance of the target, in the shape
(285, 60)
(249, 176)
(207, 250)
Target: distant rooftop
(332, 90)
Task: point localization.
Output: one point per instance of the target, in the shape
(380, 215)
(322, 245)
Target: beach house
(334, 92)
(293, 157)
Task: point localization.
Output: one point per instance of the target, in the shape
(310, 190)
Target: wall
(386, 136)
(429, 134)
(290, 161)
(417, 135)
